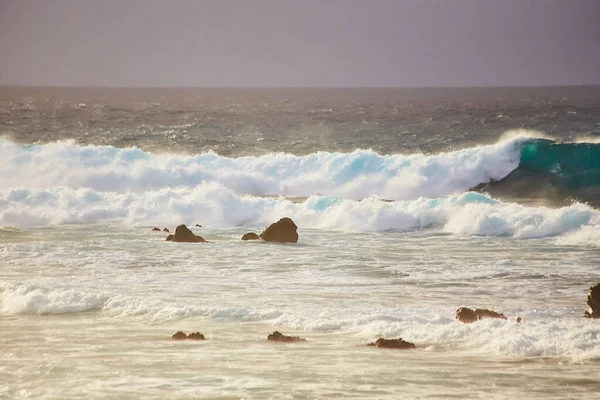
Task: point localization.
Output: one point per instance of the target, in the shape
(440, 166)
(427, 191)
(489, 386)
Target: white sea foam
(549, 335)
(539, 336)
(216, 206)
(18, 299)
(30, 299)
(355, 175)
(588, 235)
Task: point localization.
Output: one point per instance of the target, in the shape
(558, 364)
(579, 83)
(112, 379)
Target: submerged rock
(467, 316)
(250, 236)
(155, 229)
(282, 231)
(198, 226)
(166, 230)
(192, 336)
(593, 301)
(179, 335)
(196, 336)
(279, 337)
(393, 344)
(183, 234)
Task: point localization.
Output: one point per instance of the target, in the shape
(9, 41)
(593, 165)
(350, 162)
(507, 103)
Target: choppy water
(392, 241)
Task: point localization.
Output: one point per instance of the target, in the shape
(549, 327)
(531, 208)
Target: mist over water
(409, 204)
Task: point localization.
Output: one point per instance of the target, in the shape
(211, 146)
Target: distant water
(410, 203)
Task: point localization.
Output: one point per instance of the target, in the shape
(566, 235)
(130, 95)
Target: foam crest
(22, 299)
(355, 175)
(588, 235)
(511, 219)
(209, 202)
(30, 299)
(465, 214)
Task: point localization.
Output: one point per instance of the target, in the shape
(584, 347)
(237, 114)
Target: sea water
(409, 204)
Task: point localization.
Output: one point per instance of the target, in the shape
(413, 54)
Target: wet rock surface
(279, 337)
(282, 231)
(593, 301)
(184, 234)
(250, 236)
(179, 335)
(393, 344)
(196, 336)
(468, 316)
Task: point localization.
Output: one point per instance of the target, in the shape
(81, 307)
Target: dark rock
(393, 344)
(467, 316)
(279, 337)
(183, 234)
(166, 230)
(155, 229)
(281, 231)
(482, 313)
(195, 336)
(179, 336)
(593, 301)
(198, 226)
(250, 236)
(170, 238)
(519, 320)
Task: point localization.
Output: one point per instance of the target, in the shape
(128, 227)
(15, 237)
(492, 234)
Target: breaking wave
(64, 183)
(356, 175)
(467, 213)
(553, 170)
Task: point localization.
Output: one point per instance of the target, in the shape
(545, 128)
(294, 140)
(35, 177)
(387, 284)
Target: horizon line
(297, 87)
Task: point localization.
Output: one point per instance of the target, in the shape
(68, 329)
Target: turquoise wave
(555, 171)
(575, 165)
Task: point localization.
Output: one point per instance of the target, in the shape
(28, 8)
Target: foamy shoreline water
(91, 308)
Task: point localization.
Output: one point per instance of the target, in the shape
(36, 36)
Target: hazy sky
(299, 42)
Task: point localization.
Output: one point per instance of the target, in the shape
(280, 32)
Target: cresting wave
(63, 183)
(553, 171)
(356, 175)
(524, 166)
(543, 334)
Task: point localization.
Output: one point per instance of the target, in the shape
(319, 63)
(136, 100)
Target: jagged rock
(170, 238)
(250, 236)
(279, 337)
(183, 234)
(467, 316)
(393, 344)
(593, 301)
(195, 336)
(179, 336)
(166, 230)
(155, 229)
(281, 231)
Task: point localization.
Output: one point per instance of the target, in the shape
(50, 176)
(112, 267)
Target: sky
(300, 43)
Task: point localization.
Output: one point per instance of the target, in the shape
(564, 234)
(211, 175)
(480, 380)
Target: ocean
(410, 203)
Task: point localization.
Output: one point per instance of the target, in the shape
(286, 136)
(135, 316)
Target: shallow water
(90, 310)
